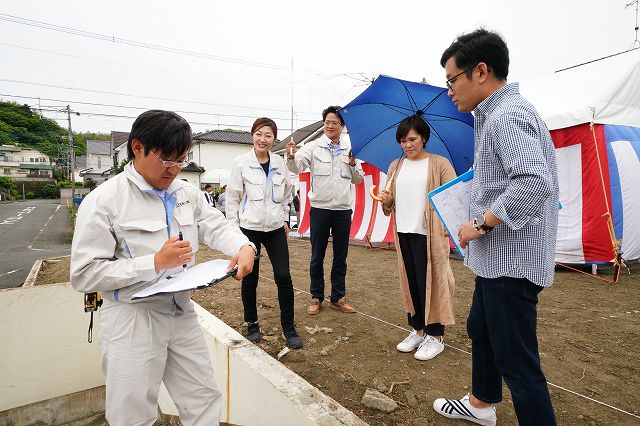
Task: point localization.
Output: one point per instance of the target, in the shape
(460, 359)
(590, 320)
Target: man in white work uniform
(333, 170)
(127, 238)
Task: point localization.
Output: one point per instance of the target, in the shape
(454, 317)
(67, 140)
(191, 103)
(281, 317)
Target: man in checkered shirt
(511, 235)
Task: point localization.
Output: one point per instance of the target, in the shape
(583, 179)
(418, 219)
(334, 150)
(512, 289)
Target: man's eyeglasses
(332, 123)
(453, 79)
(169, 163)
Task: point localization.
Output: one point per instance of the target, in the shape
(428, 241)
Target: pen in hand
(184, 265)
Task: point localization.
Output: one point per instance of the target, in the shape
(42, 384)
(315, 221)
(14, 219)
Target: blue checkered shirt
(517, 178)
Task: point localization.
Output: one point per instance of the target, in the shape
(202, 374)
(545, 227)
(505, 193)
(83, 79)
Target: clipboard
(451, 202)
(202, 275)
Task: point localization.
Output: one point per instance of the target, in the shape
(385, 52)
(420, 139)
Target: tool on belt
(92, 301)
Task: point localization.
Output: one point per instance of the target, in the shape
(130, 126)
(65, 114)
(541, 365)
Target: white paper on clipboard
(198, 276)
(451, 202)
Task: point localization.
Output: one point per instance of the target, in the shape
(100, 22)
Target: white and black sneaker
(462, 409)
(412, 341)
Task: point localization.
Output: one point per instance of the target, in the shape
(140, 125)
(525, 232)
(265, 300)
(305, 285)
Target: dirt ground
(589, 335)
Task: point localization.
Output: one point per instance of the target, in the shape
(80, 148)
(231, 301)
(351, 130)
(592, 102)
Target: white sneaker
(412, 341)
(462, 409)
(429, 348)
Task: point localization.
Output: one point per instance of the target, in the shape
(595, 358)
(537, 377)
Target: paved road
(31, 230)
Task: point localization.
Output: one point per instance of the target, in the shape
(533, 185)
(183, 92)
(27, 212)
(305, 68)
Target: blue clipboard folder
(451, 202)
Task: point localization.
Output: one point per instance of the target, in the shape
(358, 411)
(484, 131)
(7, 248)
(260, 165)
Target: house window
(190, 156)
(99, 162)
(7, 171)
(31, 159)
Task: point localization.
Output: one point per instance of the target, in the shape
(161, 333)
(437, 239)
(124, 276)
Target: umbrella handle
(372, 193)
(372, 190)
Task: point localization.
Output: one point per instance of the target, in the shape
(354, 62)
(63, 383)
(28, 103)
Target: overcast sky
(247, 48)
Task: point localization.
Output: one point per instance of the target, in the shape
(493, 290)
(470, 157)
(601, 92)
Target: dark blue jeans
(338, 222)
(502, 328)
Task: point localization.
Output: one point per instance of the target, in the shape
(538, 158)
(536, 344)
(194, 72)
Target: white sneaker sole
(467, 418)
(406, 351)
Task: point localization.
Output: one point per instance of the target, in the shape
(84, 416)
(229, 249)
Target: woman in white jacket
(258, 195)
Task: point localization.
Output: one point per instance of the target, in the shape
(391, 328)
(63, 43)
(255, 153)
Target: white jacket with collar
(257, 201)
(331, 177)
(122, 224)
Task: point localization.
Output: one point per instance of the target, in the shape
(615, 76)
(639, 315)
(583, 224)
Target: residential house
(97, 165)
(192, 174)
(301, 136)
(215, 150)
(24, 164)
(119, 141)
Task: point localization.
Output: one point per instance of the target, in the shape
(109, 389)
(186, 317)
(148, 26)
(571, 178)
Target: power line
(106, 92)
(150, 46)
(141, 108)
(97, 114)
(128, 65)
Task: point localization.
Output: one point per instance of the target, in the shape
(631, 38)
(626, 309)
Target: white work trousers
(140, 349)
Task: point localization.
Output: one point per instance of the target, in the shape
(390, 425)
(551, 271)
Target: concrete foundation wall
(259, 390)
(43, 345)
(44, 355)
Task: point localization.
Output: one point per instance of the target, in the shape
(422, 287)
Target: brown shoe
(314, 306)
(342, 306)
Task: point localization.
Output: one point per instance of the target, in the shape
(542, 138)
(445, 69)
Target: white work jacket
(122, 224)
(331, 176)
(256, 200)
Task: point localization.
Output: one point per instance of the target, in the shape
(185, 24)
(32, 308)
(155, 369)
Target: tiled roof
(99, 148)
(224, 136)
(118, 138)
(193, 167)
(309, 133)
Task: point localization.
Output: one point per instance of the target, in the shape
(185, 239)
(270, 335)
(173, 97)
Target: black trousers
(276, 244)
(504, 345)
(338, 222)
(414, 255)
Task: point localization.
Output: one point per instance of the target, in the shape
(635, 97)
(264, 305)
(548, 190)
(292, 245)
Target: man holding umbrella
(333, 169)
(511, 238)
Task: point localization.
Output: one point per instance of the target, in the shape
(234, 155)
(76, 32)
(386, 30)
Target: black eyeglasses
(452, 79)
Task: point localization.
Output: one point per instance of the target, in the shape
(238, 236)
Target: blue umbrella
(373, 117)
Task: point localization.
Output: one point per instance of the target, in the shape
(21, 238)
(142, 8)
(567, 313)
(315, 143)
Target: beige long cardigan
(440, 284)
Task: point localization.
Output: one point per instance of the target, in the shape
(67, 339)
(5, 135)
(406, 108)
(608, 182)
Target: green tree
(21, 126)
(89, 183)
(50, 191)
(120, 167)
(6, 183)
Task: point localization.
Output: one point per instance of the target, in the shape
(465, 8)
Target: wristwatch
(253, 246)
(479, 224)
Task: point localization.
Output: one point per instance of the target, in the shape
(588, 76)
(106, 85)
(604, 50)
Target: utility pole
(292, 95)
(636, 43)
(71, 158)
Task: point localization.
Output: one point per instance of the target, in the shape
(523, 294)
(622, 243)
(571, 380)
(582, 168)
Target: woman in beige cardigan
(426, 280)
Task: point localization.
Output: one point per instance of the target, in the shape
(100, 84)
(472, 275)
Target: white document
(451, 202)
(200, 275)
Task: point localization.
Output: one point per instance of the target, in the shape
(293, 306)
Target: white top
(255, 200)
(411, 196)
